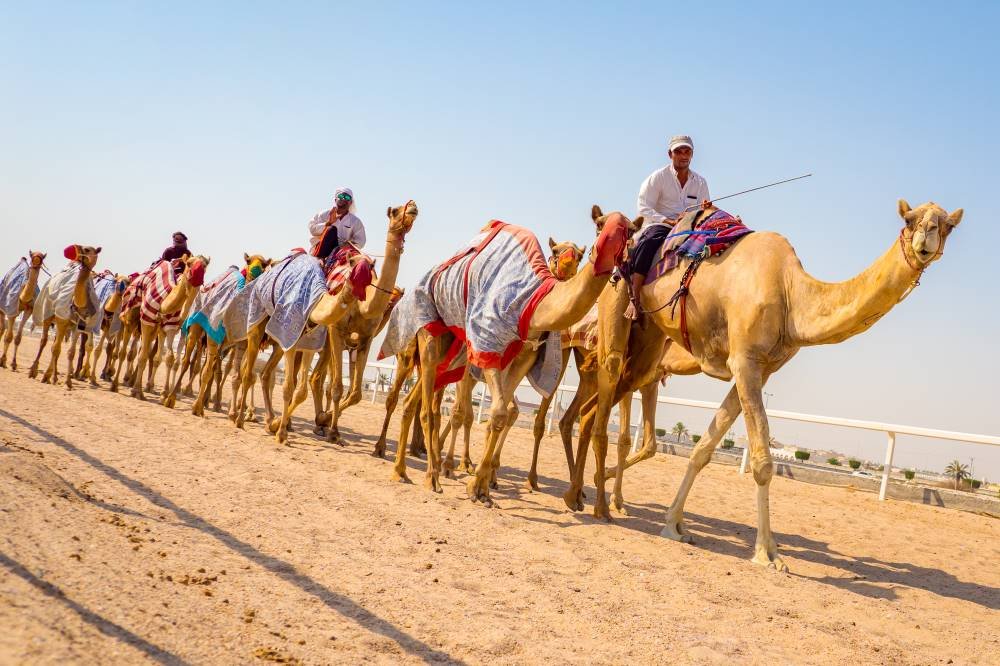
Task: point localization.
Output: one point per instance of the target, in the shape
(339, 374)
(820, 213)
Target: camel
(164, 298)
(750, 310)
(68, 299)
(109, 288)
(316, 307)
(499, 291)
(207, 326)
(126, 344)
(358, 326)
(563, 263)
(17, 297)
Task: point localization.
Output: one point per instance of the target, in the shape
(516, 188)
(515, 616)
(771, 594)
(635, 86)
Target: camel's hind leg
(191, 347)
(411, 407)
(247, 370)
(461, 413)
(6, 335)
(52, 372)
(17, 338)
(316, 382)
(208, 370)
(148, 336)
(195, 370)
(267, 384)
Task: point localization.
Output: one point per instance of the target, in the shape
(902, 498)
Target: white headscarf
(345, 190)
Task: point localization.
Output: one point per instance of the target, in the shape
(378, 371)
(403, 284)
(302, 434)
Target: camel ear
(208, 260)
(637, 223)
(388, 212)
(904, 208)
(552, 244)
(246, 258)
(955, 217)
(98, 250)
(595, 212)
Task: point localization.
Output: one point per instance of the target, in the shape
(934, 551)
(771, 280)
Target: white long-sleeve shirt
(349, 228)
(662, 199)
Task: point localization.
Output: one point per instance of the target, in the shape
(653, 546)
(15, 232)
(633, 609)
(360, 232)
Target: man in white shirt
(350, 229)
(664, 197)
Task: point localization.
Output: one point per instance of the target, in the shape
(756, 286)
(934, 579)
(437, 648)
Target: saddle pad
(287, 294)
(212, 302)
(711, 236)
(582, 334)
(11, 285)
(156, 284)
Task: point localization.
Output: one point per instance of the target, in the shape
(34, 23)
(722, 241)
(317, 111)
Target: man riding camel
(664, 197)
(349, 228)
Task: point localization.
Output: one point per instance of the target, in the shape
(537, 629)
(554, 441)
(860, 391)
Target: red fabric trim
(610, 246)
(532, 250)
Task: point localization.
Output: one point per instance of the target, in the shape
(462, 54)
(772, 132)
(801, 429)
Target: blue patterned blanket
(286, 294)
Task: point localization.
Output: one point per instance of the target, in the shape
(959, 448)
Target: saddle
(348, 263)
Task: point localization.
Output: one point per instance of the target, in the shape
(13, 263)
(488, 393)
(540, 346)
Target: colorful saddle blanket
(338, 270)
(56, 299)
(104, 287)
(11, 285)
(287, 294)
(154, 286)
(710, 235)
(212, 302)
(485, 296)
(582, 334)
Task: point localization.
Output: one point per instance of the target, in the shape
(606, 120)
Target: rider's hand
(705, 204)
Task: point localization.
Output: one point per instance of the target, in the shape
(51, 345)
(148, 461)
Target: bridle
(919, 269)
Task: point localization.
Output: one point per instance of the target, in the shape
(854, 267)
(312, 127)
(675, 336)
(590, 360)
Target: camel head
(613, 233)
(121, 283)
(36, 259)
(401, 218)
(927, 228)
(85, 254)
(255, 265)
(194, 269)
(565, 259)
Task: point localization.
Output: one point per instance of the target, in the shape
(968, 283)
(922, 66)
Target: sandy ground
(132, 533)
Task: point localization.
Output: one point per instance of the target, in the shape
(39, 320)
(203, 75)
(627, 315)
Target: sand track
(130, 532)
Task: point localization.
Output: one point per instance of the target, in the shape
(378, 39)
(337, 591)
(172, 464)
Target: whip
(752, 189)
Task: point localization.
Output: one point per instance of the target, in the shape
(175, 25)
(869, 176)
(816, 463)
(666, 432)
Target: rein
(919, 269)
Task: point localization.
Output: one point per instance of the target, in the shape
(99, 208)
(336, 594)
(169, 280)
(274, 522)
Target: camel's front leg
(52, 372)
(403, 368)
(72, 364)
(700, 456)
(317, 380)
(195, 369)
(267, 384)
(17, 338)
(190, 344)
(279, 426)
(411, 407)
(463, 405)
(649, 394)
(358, 357)
(33, 370)
(147, 337)
(247, 368)
(539, 425)
(336, 378)
(205, 386)
(6, 334)
(124, 338)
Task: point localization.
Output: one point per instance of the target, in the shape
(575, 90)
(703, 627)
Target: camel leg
(74, 335)
(236, 359)
(246, 373)
(33, 370)
(124, 337)
(724, 418)
(502, 387)
(649, 394)
(94, 356)
(267, 385)
(279, 426)
(190, 344)
(196, 364)
(411, 405)
(52, 372)
(317, 382)
(7, 335)
(336, 377)
(17, 338)
(463, 405)
(147, 337)
(133, 354)
(358, 359)
(205, 387)
(219, 377)
(82, 337)
(539, 426)
(404, 366)
(169, 356)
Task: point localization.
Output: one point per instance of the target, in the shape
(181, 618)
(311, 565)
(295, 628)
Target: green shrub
(833, 461)
(802, 455)
(695, 438)
(660, 432)
(976, 483)
(854, 463)
(909, 474)
(728, 443)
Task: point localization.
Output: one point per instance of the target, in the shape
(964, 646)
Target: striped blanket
(56, 298)
(212, 302)
(153, 286)
(695, 238)
(11, 286)
(104, 287)
(286, 294)
(582, 334)
(485, 296)
(338, 270)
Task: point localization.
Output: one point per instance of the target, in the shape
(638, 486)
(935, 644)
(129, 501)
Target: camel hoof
(467, 467)
(618, 506)
(572, 499)
(114, 387)
(319, 431)
(217, 409)
(281, 436)
(168, 401)
(379, 451)
(601, 512)
(3, 363)
(400, 478)
(188, 393)
(674, 530)
(197, 410)
(433, 484)
(46, 379)
(532, 482)
(761, 558)
(273, 425)
(324, 419)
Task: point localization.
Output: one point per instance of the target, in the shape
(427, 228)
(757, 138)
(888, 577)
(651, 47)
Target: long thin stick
(752, 189)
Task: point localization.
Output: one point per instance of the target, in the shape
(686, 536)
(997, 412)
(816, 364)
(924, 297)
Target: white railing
(891, 429)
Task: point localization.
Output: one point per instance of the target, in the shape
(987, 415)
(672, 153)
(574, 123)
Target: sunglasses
(344, 197)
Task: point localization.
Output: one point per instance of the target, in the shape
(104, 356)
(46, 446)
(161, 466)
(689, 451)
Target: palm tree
(679, 430)
(958, 471)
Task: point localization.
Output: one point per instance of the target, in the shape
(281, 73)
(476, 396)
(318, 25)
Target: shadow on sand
(287, 572)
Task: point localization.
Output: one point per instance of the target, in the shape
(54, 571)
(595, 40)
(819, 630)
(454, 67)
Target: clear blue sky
(121, 122)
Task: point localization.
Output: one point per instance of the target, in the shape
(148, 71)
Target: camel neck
(80, 291)
(828, 313)
(176, 299)
(28, 290)
(569, 300)
(378, 296)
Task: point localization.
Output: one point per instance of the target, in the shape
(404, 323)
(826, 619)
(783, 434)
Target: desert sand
(131, 533)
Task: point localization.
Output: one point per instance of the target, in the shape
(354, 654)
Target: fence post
(745, 458)
(890, 449)
(553, 406)
(635, 437)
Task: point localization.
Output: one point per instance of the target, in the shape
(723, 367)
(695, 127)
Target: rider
(663, 199)
(175, 251)
(350, 229)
